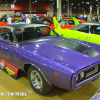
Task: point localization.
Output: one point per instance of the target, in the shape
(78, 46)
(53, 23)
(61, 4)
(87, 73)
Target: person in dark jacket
(34, 20)
(83, 18)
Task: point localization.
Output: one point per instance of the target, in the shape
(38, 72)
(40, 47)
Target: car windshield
(66, 22)
(62, 22)
(30, 33)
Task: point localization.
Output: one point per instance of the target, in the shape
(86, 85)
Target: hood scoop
(76, 47)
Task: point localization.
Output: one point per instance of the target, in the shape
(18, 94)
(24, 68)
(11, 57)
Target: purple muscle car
(47, 59)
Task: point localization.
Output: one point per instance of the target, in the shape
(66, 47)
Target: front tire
(37, 81)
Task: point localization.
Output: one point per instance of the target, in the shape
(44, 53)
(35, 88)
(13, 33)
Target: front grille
(90, 73)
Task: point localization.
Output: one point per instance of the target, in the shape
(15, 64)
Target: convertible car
(89, 31)
(65, 22)
(49, 60)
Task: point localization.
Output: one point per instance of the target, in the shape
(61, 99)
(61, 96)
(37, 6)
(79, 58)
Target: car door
(6, 45)
(85, 33)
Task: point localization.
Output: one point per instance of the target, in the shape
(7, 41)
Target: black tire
(3, 20)
(39, 85)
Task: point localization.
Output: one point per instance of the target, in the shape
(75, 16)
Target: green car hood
(73, 34)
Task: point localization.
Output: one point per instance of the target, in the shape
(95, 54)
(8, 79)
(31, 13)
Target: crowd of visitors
(89, 18)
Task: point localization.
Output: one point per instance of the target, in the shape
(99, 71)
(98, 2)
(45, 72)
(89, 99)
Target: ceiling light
(32, 2)
(79, 4)
(74, 7)
(71, 3)
(14, 1)
(53, 3)
(87, 2)
(82, 1)
(35, 0)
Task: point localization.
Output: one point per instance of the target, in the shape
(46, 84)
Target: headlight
(77, 78)
(82, 74)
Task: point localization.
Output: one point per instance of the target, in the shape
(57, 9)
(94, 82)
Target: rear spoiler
(56, 24)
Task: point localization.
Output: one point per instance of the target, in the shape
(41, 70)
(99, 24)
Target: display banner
(8, 68)
(18, 13)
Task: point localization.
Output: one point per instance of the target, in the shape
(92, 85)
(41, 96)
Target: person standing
(8, 20)
(25, 19)
(28, 21)
(83, 18)
(89, 18)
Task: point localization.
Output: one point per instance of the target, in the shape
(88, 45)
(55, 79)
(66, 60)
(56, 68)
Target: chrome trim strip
(88, 78)
(92, 72)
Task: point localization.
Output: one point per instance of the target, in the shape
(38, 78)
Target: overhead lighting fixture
(74, 7)
(53, 3)
(35, 0)
(71, 3)
(87, 2)
(14, 1)
(78, 4)
(96, 0)
(64, 5)
(32, 2)
(82, 1)
(6, 4)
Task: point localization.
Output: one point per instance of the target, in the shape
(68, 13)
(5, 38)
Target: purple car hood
(70, 54)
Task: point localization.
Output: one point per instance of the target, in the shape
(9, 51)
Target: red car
(3, 24)
(67, 22)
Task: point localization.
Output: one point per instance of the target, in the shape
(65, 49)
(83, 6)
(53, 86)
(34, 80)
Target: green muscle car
(89, 31)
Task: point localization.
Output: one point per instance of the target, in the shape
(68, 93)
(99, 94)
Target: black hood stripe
(76, 47)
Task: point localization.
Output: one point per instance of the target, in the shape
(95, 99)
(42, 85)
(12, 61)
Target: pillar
(90, 9)
(68, 8)
(50, 12)
(58, 9)
(71, 10)
(30, 7)
(84, 11)
(98, 8)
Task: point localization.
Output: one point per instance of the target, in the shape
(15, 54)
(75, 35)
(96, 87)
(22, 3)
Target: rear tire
(37, 81)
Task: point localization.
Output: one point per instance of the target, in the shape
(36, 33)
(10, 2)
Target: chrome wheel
(36, 79)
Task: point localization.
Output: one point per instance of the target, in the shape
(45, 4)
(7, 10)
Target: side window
(71, 22)
(6, 34)
(66, 22)
(25, 34)
(84, 29)
(95, 30)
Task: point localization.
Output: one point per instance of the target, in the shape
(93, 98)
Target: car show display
(48, 60)
(64, 22)
(89, 31)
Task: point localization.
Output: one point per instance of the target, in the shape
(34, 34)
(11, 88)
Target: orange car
(65, 22)
(3, 24)
(69, 22)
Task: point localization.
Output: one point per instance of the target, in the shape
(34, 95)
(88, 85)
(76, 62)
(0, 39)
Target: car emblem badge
(2, 64)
